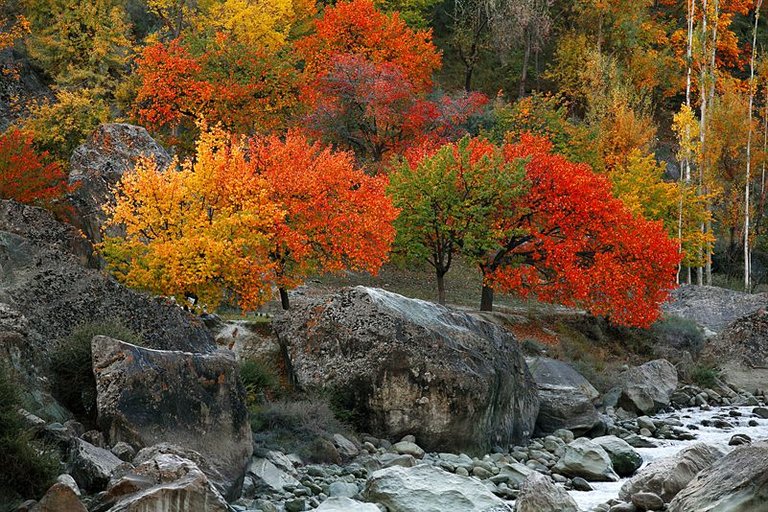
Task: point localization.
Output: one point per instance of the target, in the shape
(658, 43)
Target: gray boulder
(148, 396)
(97, 166)
(741, 351)
(565, 397)
(738, 482)
(647, 388)
(408, 366)
(42, 275)
(588, 460)
(538, 493)
(713, 307)
(340, 504)
(667, 477)
(92, 467)
(624, 458)
(426, 488)
(165, 482)
(268, 477)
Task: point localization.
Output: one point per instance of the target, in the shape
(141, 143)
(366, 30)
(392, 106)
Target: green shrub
(704, 376)
(258, 378)
(72, 382)
(27, 468)
(680, 333)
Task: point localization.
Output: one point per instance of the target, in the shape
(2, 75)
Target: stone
(647, 388)
(623, 507)
(666, 477)
(340, 504)
(147, 396)
(98, 164)
(647, 501)
(124, 451)
(739, 439)
(343, 489)
(538, 493)
(163, 483)
(740, 351)
(565, 397)
(713, 307)
(92, 467)
(647, 423)
(761, 412)
(579, 484)
(296, 505)
(624, 458)
(426, 488)
(269, 477)
(514, 474)
(58, 292)
(346, 447)
(736, 482)
(409, 448)
(59, 498)
(411, 367)
(588, 460)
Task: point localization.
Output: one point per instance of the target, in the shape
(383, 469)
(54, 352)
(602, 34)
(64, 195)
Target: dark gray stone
(411, 367)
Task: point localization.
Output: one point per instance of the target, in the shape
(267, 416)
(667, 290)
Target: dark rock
(647, 501)
(739, 440)
(98, 164)
(647, 388)
(146, 396)
(737, 482)
(666, 477)
(624, 458)
(43, 277)
(92, 467)
(565, 397)
(762, 412)
(407, 366)
(579, 484)
(538, 493)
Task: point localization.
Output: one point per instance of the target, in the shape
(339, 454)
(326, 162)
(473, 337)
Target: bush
(27, 468)
(258, 379)
(704, 376)
(680, 333)
(73, 383)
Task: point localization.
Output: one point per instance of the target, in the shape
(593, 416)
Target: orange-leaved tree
(577, 245)
(201, 227)
(27, 176)
(336, 216)
(240, 218)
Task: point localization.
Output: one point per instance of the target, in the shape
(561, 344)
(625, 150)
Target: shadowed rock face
(149, 396)
(99, 163)
(43, 277)
(741, 351)
(406, 366)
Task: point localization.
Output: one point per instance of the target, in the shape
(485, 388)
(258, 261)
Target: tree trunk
(524, 72)
(284, 299)
(747, 254)
(486, 299)
(468, 77)
(441, 286)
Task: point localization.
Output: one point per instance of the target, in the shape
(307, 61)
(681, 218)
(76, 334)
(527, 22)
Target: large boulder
(667, 477)
(738, 482)
(93, 467)
(741, 351)
(425, 488)
(407, 366)
(166, 482)
(588, 460)
(98, 164)
(565, 397)
(712, 307)
(624, 458)
(148, 396)
(42, 276)
(647, 388)
(538, 493)
(343, 504)
(60, 498)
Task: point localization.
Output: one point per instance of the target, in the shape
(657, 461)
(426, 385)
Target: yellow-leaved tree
(201, 227)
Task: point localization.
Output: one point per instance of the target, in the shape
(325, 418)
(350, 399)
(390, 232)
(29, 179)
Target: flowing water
(604, 491)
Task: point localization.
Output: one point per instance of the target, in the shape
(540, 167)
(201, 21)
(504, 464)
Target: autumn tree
(575, 244)
(203, 226)
(27, 176)
(240, 218)
(447, 197)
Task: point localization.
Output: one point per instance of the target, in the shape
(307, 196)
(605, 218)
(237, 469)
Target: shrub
(27, 468)
(258, 378)
(704, 376)
(73, 383)
(680, 333)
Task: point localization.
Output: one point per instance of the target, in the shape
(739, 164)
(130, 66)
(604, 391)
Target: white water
(604, 491)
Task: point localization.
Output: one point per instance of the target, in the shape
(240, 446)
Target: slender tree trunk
(524, 72)
(703, 92)
(747, 253)
(685, 171)
(284, 298)
(486, 298)
(440, 286)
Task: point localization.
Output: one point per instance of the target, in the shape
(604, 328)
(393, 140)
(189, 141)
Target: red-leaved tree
(573, 243)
